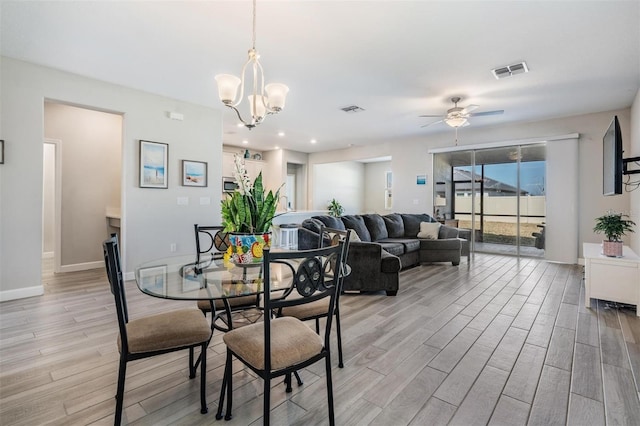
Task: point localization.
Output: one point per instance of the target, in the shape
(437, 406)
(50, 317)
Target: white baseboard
(82, 266)
(128, 276)
(47, 255)
(21, 293)
(581, 261)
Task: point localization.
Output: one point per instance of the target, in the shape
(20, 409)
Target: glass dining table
(209, 278)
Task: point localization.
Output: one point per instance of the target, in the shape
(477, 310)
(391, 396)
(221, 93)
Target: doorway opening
(82, 162)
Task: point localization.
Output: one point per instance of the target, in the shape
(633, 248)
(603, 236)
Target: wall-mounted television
(612, 162)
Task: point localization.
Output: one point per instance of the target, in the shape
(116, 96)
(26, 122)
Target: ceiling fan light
(276, 95)
(227, 87)
(455, 121)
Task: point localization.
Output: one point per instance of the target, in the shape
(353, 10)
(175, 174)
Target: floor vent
(509, 70)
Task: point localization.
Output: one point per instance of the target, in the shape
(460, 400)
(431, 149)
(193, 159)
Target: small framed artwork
(153, 279)
(421, 179)
(194, 173)
(1, 151)
(154, 159)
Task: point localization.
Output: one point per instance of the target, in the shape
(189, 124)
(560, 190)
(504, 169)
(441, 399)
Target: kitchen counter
(295, 216)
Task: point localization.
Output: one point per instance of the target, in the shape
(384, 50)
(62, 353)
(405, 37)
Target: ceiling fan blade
(469, 108)
(479, 114)
(435, 115)
(431, 124)
(465, 124)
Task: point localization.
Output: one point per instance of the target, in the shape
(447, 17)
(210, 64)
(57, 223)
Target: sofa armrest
(447, 232)
(464, 234)
(368, 260)
(307, 239)
(372, 268)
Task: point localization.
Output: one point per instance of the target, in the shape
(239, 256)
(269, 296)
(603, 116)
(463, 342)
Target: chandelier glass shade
(262, 100)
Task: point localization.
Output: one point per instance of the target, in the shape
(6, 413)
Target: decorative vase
(247, 248)
(612, 248)
(247, 154)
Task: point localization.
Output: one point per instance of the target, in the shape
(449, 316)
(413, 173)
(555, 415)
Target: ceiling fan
(457, 116)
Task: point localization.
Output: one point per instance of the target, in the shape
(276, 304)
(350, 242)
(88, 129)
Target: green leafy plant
(613, 225)
(335, 208)
(249, 209)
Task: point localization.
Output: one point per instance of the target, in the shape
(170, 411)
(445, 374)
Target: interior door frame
(57, 210)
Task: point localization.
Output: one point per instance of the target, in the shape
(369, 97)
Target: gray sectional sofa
(388, 243)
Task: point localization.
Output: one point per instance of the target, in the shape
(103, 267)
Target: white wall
(634, 151)
(343, 181)
(91, 147)
(375, 185)
(152, 220)
(410, 158)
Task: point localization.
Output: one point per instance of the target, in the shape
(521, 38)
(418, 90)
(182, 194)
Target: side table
(611, 278)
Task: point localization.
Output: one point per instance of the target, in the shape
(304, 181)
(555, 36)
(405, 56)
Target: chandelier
(262, 99)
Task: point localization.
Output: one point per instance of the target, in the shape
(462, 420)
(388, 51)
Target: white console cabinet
(611, 278)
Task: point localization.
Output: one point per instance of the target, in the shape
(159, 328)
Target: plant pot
(612, 248)
(247, 248)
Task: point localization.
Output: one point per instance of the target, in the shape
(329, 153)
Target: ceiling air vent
(352, 109)
(509, 70)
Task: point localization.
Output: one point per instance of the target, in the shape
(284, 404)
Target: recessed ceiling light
(245, 142)
(280, 134)
(313, 141)
(277, 147)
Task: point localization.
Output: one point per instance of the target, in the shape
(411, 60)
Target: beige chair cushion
(167, 331)
(291, 342)
(307, 310)
(234, 302)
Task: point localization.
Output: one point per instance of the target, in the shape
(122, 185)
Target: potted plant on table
(247, 214)
(614, 227)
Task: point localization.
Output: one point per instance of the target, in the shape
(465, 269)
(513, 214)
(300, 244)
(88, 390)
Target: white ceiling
(395, 59)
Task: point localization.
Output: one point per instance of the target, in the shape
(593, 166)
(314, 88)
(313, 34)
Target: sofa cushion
(429, 230)
(412, 223)
(376, 226)
(410, 244)
(354, 237)
(397, 249)
(395, 225)
(331, 222)
(356, 222)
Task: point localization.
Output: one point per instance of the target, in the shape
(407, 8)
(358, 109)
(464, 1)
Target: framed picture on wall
(1, 152)
(154, 159)
(194, 173)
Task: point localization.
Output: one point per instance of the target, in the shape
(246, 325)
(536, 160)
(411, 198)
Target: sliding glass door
(498, 193)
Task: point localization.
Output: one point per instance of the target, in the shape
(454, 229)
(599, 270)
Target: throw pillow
(354, 236)
(429, 230)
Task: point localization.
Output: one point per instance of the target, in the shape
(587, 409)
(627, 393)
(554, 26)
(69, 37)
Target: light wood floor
(500, 341)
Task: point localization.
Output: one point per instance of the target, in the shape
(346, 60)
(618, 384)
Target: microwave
(229, 184)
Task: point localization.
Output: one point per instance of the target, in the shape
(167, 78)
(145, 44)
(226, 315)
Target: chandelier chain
(254, 24)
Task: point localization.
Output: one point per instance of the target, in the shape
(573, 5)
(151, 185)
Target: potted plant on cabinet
(614, 227)
(247, 214)
(335, 208)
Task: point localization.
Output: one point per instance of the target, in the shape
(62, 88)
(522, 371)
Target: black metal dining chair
(317, 310)
(279, 346)
(156, 334)
(214, 241)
